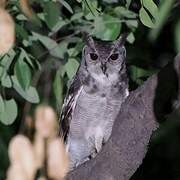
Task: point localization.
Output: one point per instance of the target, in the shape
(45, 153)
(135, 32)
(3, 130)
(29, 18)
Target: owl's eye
(114, 57)
(93, 56)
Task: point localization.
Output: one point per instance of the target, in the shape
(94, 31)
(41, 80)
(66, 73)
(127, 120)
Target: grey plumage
(94, 98)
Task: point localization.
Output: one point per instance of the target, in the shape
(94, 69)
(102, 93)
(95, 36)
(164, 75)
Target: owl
(94, 98)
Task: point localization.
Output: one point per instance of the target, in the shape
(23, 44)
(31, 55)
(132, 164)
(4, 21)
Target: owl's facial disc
(104, 59)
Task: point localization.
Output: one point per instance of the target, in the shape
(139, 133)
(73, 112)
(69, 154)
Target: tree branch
(138, 118)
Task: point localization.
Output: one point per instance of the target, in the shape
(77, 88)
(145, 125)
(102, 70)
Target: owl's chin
(105, 79)
(100, 78)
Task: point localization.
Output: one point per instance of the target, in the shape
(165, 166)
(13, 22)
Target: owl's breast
(91, 111)
(91, 105)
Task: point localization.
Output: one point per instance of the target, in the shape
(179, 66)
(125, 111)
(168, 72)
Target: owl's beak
(103, 67)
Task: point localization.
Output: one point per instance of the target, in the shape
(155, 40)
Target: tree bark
(139, 116)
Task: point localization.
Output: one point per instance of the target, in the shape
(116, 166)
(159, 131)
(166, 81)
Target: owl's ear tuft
(89, 40)
(121, 40)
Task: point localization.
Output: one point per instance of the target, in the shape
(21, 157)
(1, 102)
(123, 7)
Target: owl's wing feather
(69, 106)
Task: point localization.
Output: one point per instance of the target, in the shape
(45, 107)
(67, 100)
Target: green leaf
(131, 38)
(121, 11)
(2, 106)
(73, 52)
(21, 17)
(58, 88)
(1, 71)
(163, 13)
(51, 10)
(107, 27)
(91, 7)
(110, 1)
(27, 57)
(31, 60)
(177, 37)
(21, 32)
(71, 67)
(58, 25)
(77, 16)
(137, 73)
(132, 24)
(23, 72)
(10, 112)
(29, 94)
(6, 80)
(128, 3)
(8, 59)
(56, 50)
(62, 46)
(145, 18)
(66, 5)
(151, 7)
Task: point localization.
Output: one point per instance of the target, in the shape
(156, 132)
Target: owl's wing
(69, 106)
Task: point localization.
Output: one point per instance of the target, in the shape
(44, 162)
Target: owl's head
(104, 60)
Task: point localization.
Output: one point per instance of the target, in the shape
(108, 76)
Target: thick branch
(137, 119)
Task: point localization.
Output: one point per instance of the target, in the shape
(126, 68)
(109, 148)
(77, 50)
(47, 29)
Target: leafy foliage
(148, 7)
(50, 34)
(10, 111)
